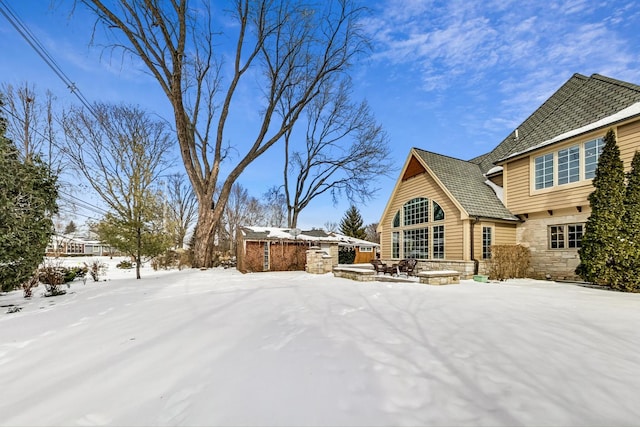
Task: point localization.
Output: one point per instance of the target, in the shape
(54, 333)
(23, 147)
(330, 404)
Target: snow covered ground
(217, 347)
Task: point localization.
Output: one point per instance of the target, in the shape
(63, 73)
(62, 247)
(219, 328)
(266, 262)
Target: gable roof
(580, 102)
(467, 184)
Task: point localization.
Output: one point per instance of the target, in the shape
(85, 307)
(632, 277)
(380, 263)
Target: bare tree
(121, 151)
(371, 231)
(275, 207)
(30, 123)
(280, 46)
(331, 227)
(181, 208)
(343, 152)
(241, 209)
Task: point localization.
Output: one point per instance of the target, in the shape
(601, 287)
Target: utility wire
(35, 44)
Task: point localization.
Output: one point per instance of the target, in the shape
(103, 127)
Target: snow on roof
(315, 235)
(493, 170)
(631, 111)
(496, 189)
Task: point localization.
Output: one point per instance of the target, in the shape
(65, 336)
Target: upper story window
(569, 165)
(544, 171)
(416, 211)
(565, 166)
(592, 151)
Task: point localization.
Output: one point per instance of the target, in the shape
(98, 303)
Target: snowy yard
(220, 348)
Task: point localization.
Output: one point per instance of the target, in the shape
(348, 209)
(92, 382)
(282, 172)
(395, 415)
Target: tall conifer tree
(351, 224)
(601, 246)
(630, 263)
(28, 193)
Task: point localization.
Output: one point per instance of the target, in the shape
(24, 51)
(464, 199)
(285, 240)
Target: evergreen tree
(630, 262)
(601, 246)
(28, 193)
(70, 228)
(351, 224)
(140, 235)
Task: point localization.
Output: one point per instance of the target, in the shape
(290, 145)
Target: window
(544, 171)
(486, 242)
(265, 261)
(416, 211)
(592, 151)
(414, 230)
(438, 241)
(395, 244)
(416, 243)
(569, 165)
(75, 248)
(366, 249)
(438, 213)
(565, 236)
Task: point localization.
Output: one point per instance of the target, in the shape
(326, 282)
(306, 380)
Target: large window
(566, 236)
(418, 230)
(416, 243)
(416, 211)
(567, 165)
(544, 171)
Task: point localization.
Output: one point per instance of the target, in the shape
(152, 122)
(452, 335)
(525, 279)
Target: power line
(35, 44)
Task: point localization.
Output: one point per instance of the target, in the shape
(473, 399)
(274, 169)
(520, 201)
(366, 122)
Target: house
(284, 249)
(71, 245)
(531, 189)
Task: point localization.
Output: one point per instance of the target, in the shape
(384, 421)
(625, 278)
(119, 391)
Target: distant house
(285, 249)
(531, 189)
(72, 245)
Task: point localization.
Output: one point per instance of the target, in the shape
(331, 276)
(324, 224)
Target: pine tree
(351, 224)
(630, 262)
(601, 246)
(70, 228)
(28, 193)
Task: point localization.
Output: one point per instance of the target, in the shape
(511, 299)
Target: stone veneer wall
(533, 233)
(318, 261)
(465, 268)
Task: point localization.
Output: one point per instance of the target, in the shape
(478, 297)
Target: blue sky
(453, 77)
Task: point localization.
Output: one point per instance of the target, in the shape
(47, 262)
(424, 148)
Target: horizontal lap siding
(424, 186)
(629, 142)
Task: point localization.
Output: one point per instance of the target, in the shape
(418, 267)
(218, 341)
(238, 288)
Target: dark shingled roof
(580, 101)
(466, 183)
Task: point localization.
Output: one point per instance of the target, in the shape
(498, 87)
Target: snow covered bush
(96, 269)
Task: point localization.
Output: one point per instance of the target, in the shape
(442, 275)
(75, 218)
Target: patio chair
(379, 266)
(407, 267)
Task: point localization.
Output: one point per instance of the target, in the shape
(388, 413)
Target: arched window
(419, 230)
(438, 213)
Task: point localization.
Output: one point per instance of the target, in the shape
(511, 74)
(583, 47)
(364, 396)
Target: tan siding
(628, 142)
(505, 234)
(424, 186)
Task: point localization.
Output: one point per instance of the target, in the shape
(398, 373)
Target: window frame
(487, 230)
(569, 166)
(560, 236)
